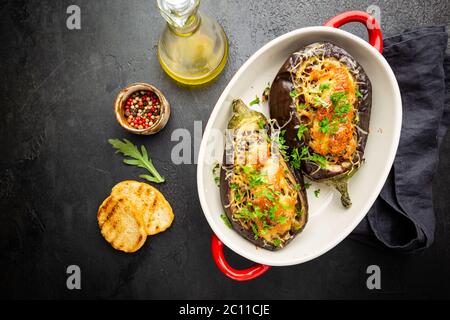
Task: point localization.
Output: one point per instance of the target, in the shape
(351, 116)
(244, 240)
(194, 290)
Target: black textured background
(56, 167)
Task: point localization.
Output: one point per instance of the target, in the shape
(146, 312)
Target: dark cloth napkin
(402, 217)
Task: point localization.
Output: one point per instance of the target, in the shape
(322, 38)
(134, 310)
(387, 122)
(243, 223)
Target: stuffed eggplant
(263, 197)
(323, 98)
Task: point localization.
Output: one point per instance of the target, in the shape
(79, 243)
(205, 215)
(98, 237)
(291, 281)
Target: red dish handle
(239, 275)
(372, 25)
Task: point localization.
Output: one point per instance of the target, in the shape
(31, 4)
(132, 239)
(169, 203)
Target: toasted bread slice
(154, 211)
(142, 195)
(161, 216)
(119, 225)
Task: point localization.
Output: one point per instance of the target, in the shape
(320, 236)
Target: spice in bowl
(142, 109)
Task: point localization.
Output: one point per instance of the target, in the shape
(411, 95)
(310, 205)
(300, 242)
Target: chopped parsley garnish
(255, 231)
(216, 173)
(268, 194)
(301, 106)
(226, 221)
(255, 101)
(297, 157)
(293, 93)
(256, 179)
(342, 109)
(276, 242)
(307, 185)
(324, 125)
(324, 86)
(358, 93)
(317, 192)
(261, 123)
(282, 219)
(272, 212)
(282, 144)
(336, 97)
(234, 186)
(300, 131)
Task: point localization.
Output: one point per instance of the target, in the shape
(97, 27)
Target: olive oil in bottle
(193, 48)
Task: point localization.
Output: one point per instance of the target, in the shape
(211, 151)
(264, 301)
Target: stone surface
(56, 166)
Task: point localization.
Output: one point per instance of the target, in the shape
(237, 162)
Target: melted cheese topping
(325, 94)
(263, 195)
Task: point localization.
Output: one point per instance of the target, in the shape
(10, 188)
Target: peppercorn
(142, 109)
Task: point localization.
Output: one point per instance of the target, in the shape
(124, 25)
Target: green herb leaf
(300, 131)
(338, 96)
(140, 159)
(307, 185)
(255, 231)
(317, 192)
(216, 173)
(358, 93)
(295, 159)
(324, 125)
(301, 106)
(272, 212)
(255, 101)
(324, 86)
(293, 93)
(226, 220)
(261, 123)
(276, 242)
(265, 94)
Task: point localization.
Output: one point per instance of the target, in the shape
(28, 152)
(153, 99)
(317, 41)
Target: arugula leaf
(254, 101)
(226, 221)
(139, 158)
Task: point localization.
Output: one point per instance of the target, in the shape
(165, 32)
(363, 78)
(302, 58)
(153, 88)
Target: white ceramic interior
(329, 222)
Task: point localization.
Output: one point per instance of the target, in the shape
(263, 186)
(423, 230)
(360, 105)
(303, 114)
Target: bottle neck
(191, 25)
(181, 15)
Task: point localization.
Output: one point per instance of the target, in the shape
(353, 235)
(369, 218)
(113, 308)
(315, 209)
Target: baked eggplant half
(263, 197)
(323, 97)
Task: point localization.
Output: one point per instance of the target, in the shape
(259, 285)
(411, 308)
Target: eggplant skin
(281, 105)
(242, 116)
(225, 191)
